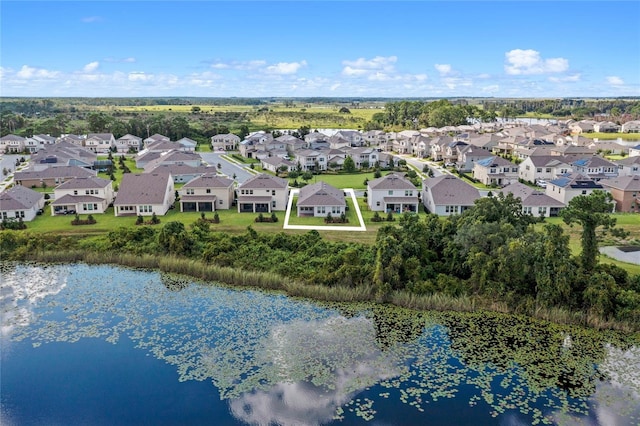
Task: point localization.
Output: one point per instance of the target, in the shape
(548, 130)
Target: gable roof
(494, 161)
(575, 181)
(55, 172)
(450, 190)
(320, 194)
(209, 180)
(529, 197)
(85, 183)
(391, 181)
(624, 183)
(145, 188)
(264, 181)
(19, 198)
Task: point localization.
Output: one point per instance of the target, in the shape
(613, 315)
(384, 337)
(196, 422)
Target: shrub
(139, 220)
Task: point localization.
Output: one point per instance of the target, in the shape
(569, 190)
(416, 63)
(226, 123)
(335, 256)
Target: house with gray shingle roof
(392, 193)
(62, 154)
(181, 172)
(311, 159)
(629, 166)
(625, 191)
(129, 143)
(533, 202)
(85, 195)
(543, 167)
(595, 167)
(153, 159)
(20, 203)
(447, 195)
(51, 176)
(144, 194)
(273, 164)
(207, 193)
(565, 187)
(155, 138)
(631, 127)
(225, 142)
(100, 142)
(263, 194)
(11, 143)
(495, 171)
(320, 199)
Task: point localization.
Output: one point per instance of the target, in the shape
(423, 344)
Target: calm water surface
(102, 345)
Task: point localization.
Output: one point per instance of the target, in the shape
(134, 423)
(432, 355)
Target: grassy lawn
(351, 215)
(467, 178)
(608, 136)
(343, 180)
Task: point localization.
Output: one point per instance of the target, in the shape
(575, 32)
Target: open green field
(343, 180)
(613, 136)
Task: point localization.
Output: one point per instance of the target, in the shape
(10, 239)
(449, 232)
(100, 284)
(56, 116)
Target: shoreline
(338, 294)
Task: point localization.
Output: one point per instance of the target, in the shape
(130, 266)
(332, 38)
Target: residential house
(446, 195)
(62, 154)
(321, 199)
(452, 151)
(85, 195)
(128, 143)
(543, 168)
(631, 127)
(151, 160)
(263, 194)
(51, 177)
(572, 150)
(225, 142)
(363, 157)
(609, 147)
(439, 146)
(420, 146)
(20, 203)
(374, 137)
(392, 193)
(11, 144)
(338, 142)
(625, 191)
(495, 171)
(187, 145)
(181, 172)
(582, 126)
(310, 160)
(635, 151)
(144, 194)
(534, 202)
(606, 127)
(154, 139)
(595, 167)
(468, 155)
(71, 139)
(309, 138)
(274, 164)
(629, 166)
(565, 187)
(207, 193)
(100, 143)
(354, 137)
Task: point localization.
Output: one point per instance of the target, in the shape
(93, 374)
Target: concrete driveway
(228, 168)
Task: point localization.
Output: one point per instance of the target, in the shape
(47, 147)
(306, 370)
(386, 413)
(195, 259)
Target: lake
(104, 345)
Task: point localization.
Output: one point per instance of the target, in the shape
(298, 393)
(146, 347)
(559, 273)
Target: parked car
(541, 183)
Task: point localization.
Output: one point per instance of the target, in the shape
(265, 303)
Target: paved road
(8, 161)
(228, 168)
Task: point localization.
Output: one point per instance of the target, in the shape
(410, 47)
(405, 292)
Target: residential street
(228, 168)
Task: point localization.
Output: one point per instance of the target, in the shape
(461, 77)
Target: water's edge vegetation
(491, 257)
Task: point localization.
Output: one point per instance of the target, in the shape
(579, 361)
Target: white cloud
(566, 79)
(239, 65)
(334, 87)
(493, 88)
(615, 80)
(139, 76)
(286, 68)
(27, 72)
(443, 69)
(91, 66)
(526, 62)
(362, 66)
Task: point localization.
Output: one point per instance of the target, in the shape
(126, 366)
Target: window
(273, 192)
(377, 203)
(4, 215)
(220, 202)
(391, 192)
(548, 169)
(526, 210)
(189, 191)
(273, 204)
(584, 192)
(539, 170)
(208, 191)
(542, 211)
(75, 192)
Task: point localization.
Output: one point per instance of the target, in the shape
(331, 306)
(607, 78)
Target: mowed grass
(351, 216)
(614, 136)
(343, 180)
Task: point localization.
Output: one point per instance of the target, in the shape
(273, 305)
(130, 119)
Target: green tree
(591, 212)
(349, 165)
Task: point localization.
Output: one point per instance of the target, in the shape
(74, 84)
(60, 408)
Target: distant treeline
(491, 251)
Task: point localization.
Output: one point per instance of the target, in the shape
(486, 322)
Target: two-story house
(100, 143)
(565, 187)
(128, 143)
(542, 168)
(263, 194)
(495, 171)
(225, 142)
(392, 193)
(207, 193)
(595, 167)
(144, 194)
(84, 195)
(311, 159)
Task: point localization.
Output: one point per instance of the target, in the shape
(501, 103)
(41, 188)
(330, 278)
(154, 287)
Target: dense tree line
(493, 250)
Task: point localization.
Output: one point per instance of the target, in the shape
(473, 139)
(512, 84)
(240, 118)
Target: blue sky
(330, 48)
